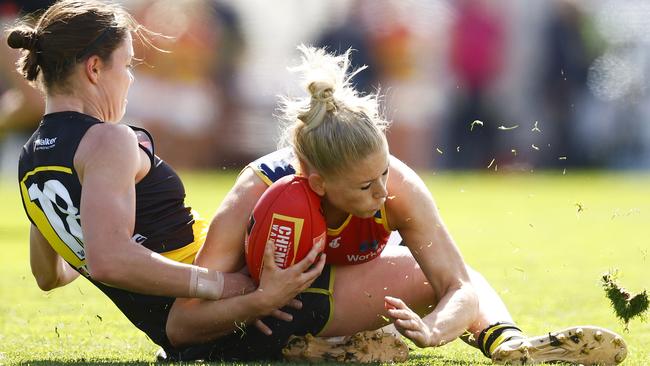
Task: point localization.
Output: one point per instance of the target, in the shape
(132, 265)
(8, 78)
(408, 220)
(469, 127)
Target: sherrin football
(289, 215)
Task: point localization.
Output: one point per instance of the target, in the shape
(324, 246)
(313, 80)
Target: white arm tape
(206, 284)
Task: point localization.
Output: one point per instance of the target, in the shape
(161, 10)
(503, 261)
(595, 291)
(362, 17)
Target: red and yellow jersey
(357, 240)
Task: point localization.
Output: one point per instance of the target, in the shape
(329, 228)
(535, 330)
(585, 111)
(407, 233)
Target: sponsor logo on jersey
(362, 256)
(366, 246)
(335, 243)
(138, 238)
(285, 234)
(44, 143)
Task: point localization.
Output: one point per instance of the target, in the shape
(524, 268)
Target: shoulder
(407, 194)
(402, 178)
(107, 144)
(110, 135)
(250, 182)
(274, 166)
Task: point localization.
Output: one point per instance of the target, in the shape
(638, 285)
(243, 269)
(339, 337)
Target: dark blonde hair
(68, 33)
(335, 126)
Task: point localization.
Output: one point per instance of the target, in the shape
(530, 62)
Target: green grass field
(542, 239)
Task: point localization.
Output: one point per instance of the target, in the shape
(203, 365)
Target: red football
(289, 214)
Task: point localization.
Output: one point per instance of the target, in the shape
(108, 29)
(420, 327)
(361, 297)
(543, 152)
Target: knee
(175, 330)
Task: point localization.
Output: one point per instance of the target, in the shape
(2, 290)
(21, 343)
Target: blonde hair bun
(323, 92)
(334, 126)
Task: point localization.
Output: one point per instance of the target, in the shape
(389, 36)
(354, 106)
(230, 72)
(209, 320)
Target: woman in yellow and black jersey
(100, 202)
(51, 193)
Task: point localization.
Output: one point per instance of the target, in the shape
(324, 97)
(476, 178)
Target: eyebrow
(372, 180)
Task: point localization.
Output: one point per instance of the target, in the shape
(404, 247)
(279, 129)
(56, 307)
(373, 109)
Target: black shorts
(249, 344)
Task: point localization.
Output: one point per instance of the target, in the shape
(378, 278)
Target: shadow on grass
(414, 360)
(152, 363)
(441, 360)
(82, 362)
(113, 363)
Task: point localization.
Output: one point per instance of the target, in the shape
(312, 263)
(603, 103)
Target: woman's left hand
(408, 323)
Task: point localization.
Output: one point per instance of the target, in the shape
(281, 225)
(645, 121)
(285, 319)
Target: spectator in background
(227, 60)
(477, 49)
(191, 85)
(394, 43)
(563, 82)
(352, 34)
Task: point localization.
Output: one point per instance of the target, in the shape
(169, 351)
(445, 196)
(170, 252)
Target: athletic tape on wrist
(209, 284)
(206, 284)
(194, 278)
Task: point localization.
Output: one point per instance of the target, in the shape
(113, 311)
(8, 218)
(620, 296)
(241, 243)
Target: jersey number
(57, 206)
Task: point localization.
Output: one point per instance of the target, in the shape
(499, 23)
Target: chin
(366, 214)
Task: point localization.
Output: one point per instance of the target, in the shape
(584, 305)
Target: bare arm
(413, 212)
(224, 246)
(108, 161)
(195, 320)
(48, 268)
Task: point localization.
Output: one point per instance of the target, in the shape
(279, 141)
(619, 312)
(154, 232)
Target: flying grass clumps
(626, 306)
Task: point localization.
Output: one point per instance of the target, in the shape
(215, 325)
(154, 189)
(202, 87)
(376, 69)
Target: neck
(334, 217)
(63, 103)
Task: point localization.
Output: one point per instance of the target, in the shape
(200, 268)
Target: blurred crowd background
(468, 84)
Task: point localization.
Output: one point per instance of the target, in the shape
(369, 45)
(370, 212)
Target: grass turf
(543, 240)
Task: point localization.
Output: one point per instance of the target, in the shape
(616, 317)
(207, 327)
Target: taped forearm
(206, 284)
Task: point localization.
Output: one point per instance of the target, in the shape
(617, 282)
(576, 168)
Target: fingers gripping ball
(289, 215)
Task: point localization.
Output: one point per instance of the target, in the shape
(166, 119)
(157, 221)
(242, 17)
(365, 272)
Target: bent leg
(359, 291)
(491, 309)
(579, 345)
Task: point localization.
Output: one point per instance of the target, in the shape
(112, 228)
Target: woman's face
(116, 80)
(361, 191)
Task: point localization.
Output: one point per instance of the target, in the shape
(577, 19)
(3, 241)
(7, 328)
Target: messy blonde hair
(335, 126)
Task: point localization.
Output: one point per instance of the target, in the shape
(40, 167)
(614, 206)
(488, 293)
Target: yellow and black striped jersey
(51, 194)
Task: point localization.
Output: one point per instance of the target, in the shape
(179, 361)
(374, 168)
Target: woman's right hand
(280, 286)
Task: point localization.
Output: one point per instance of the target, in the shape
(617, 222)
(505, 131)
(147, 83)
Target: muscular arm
(414, 214)
(108, 161)
(224, 246)
(195, 320)
(48, 268)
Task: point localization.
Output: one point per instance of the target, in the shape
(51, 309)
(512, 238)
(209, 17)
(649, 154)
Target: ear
(92, 68)
(316, 183)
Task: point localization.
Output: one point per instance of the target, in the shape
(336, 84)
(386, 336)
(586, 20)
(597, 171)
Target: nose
(381, 191)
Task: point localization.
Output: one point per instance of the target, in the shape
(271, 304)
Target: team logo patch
(335, 243)
(285, 233)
